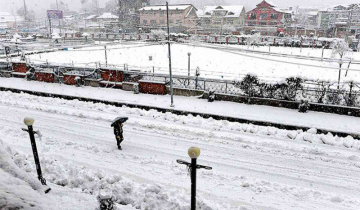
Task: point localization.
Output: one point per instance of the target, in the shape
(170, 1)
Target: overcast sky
(40, 6)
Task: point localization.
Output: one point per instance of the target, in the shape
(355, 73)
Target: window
(252, 16)
(231, 22)
(162, 12)
(207, 13)
(171, 21)
(262, 23)
(144, 22)
(153, 22)
(178, 21)
(162, 21)
(263, 16)
(274, 16)
(207, 21)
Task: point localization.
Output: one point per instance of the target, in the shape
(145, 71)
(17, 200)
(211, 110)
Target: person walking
(118, 130)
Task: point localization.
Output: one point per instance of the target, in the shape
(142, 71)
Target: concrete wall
(184, 92)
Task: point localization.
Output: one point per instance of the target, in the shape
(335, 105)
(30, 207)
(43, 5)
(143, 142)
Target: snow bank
(7, 165)
(122, 191)
(80, 109)
(18, 189)
(21, 190)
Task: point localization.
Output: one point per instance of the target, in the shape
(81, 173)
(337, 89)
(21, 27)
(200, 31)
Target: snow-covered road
(252, 169)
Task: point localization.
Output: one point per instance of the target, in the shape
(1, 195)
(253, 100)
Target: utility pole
(119, 5)
(189, 54)
(57, 6)
(50, 28)
(85, 20)
(168, 32)
(106, 60)
(25, 15)
(348, 26)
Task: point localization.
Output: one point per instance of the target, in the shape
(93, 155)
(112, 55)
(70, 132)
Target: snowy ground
(213, 63)
(319, 120)
(254, 167)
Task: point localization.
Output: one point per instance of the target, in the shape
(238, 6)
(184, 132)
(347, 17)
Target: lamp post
(189, 55)
(341, 62)
(169, 54)
(29, 122)
(194, 153)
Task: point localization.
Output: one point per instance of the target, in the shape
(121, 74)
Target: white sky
(40, 6)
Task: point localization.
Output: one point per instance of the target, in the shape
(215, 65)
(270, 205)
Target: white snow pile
(82, 109)
(18, 189)
(123, 191)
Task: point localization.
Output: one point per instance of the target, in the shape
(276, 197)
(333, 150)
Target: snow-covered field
(254, 167)
(213, 63)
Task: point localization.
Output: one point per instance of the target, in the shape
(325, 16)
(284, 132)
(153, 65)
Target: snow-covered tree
(340, 48)
(91, 6)
(159, 34)
(29, 15)
(228, 28)
(254, 39)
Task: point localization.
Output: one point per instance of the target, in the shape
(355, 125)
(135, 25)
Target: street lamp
(194, 153)
(30, 122)
(189, 54)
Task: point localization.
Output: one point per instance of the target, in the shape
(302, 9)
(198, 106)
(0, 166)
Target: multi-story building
(8, 21)
(182, 18)
(222, 18)
(306, 16)
(340, 20)
(268, 18)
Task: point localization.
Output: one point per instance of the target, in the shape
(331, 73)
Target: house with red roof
(268, 18)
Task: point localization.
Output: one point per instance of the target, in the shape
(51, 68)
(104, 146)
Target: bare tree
(340, 48)
(29, 15)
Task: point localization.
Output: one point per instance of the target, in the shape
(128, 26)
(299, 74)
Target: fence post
(106, 60)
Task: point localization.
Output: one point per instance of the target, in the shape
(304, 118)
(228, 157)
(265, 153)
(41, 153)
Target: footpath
(256, 114)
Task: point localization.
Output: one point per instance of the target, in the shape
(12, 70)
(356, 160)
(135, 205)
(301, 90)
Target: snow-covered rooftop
(171, 7)
(90, 17)
(107, 16)
(282, 10)
(232, 10)
(7, 17)
(269, 2)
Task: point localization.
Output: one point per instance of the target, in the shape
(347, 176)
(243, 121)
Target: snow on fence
(292, 89)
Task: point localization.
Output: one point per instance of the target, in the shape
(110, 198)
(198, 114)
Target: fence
(292, 89)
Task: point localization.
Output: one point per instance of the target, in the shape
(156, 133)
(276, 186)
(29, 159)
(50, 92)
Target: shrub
(334, 97)
(320, 93)
(351, 97)
(249, 84)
